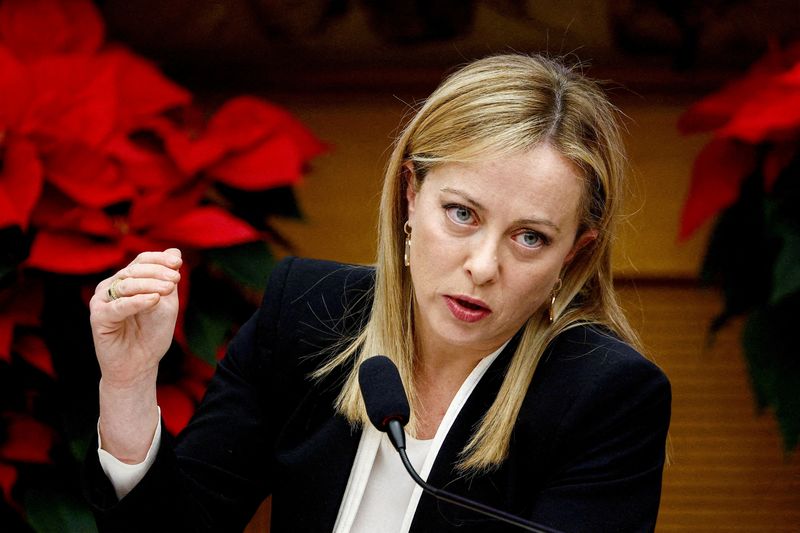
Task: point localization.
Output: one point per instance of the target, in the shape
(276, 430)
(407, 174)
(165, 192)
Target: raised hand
(133, 316)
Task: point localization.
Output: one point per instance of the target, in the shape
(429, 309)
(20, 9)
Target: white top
(391, 495)
(389, 504)
(388, 489)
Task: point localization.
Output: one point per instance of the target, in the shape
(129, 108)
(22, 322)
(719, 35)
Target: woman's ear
(411, 193)
(585, 238)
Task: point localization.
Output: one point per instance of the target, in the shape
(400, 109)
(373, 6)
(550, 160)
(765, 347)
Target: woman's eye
(459, 214)
(530, 239)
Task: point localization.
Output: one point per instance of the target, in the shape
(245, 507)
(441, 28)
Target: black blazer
(586, 454)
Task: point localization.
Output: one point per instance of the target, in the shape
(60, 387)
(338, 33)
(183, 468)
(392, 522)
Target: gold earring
(556, 288)
(407, 253)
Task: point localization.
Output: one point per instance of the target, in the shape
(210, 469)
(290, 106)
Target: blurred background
(352, 70)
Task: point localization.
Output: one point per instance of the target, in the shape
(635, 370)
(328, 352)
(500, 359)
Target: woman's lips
(467, 309)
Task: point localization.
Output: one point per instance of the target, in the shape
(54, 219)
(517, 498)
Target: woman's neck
(438, 375)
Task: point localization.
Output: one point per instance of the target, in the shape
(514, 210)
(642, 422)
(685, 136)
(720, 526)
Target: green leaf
(247, 264)
(762, 375)
(14, 247)
(742, 271)
(206, 330)
(50, 511)
(256, 207)
(774, 364)
(79, 447)
(6, 269)
(786, 272)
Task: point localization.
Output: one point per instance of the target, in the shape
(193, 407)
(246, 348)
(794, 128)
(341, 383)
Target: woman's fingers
(126, 287)
(158, 266)
(115, 288)
(137, 287)
(171, 257)
(111, 313)
(148, 270)
(123, 308)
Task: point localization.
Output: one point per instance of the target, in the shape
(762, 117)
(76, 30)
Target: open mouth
(467, 310)
(470, 305)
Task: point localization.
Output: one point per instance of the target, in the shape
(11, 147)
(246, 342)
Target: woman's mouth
(467, 309)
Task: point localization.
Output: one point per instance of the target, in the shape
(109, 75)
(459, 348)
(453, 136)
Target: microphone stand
(398, 438)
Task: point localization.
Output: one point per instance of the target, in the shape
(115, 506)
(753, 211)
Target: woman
(492, 292)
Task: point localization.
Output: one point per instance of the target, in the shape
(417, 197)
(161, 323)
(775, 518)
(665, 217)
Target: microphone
(388, 410)
(385, 398)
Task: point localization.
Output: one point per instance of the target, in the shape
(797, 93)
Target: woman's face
(488, 243)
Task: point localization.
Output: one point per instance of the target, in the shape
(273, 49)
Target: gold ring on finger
(113, 294)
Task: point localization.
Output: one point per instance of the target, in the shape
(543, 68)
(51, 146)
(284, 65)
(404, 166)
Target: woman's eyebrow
(474, 203)
(537, 222)
(532, 221)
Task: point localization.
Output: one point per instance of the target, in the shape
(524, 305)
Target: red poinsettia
(762, 108)
(35, 28)
(27, 441)
(68, 131)
(20, 306)
(102, 157)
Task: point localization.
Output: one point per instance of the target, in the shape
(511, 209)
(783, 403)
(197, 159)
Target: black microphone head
(383, 392)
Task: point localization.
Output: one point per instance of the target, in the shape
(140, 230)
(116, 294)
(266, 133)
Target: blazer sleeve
(218, 471)
(613, 437)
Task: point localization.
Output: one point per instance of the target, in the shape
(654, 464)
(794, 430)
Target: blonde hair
(498, 105)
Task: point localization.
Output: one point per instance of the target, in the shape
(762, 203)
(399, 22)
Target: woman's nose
(482, 264)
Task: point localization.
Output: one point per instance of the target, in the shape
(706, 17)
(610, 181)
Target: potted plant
(102, 157)
(748, 177)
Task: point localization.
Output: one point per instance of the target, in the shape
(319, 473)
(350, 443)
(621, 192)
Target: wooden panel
(660, 168)
(728, 471)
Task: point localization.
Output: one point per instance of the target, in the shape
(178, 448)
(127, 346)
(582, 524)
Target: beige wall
(341, 195)
(661, 164)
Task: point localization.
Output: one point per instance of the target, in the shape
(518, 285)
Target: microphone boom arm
(395, 430)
